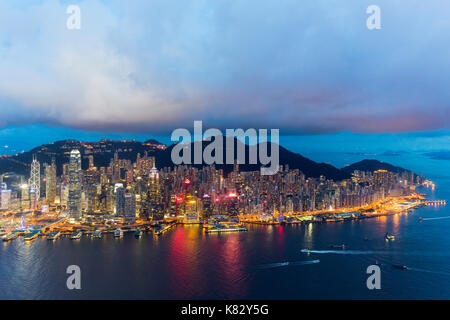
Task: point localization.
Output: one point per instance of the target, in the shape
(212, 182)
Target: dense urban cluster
(138, 190)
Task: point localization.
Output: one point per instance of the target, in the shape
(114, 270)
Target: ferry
(138, 233)
(338, 246)
(389, 237)
(221, 228)
(398, 266)
(32, 235)
(118, 233)
(54, 235)
(97, 234)
(318, 219)
(76, 235)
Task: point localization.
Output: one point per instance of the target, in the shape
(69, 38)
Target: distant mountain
(153, 141)
(286, 157)
(103, 151)
(372, 165)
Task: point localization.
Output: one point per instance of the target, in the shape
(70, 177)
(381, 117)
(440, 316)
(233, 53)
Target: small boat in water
(338, 246)
(420, 219)
(138, 233)
(118, 233)
(398, 266)
(389, 237)
(76, 235)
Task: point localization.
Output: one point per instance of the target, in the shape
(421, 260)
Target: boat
(54, 235)
(138, 233)
(420, 219)
(118, 233)
(398, 266)
(76, 235)
(32, 235)
(389, 237)
(97, 234)
(366, 239)
(338, 246)
(221, 228)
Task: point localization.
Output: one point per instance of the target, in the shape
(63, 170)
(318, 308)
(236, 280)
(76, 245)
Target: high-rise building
(35, 182)
(5, 197)
(50, 182)
(119, 191)
(91, 161)
(75, 173)
(129, 214)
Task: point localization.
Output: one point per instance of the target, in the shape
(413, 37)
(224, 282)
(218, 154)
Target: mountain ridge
(103, 151)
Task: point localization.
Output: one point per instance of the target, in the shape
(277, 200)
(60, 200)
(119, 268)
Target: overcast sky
(153, 66)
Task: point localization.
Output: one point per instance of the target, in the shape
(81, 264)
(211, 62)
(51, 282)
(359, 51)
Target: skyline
(226, 154)
(151, 66)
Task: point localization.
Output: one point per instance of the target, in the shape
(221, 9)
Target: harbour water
(186, 263)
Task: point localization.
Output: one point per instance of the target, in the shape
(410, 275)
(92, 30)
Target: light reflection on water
(186, 263)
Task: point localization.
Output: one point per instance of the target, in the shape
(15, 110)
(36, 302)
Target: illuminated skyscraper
(120, 200)
(75, 184)
(35, 182)
(50, 182)
(5, 196)
(129, 214)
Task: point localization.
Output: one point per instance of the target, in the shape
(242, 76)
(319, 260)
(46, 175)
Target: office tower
(5, 197)
(129, 213)
(35, 182)
(91, 161)
(207, 206)
(119, 191)
(50, 182)
(24, 197)
(75, 173)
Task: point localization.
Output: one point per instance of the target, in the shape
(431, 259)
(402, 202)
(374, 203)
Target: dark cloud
(151, 66)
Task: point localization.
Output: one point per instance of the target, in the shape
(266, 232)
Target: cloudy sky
(147, 67)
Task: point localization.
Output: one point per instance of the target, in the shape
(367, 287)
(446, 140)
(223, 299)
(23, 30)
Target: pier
(434, 202)
(161, 230)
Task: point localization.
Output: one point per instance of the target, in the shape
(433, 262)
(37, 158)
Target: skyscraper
(5, 196)
(75, 184)
(50, 182)
(129, 214)
(35, 182)
(119, 200)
